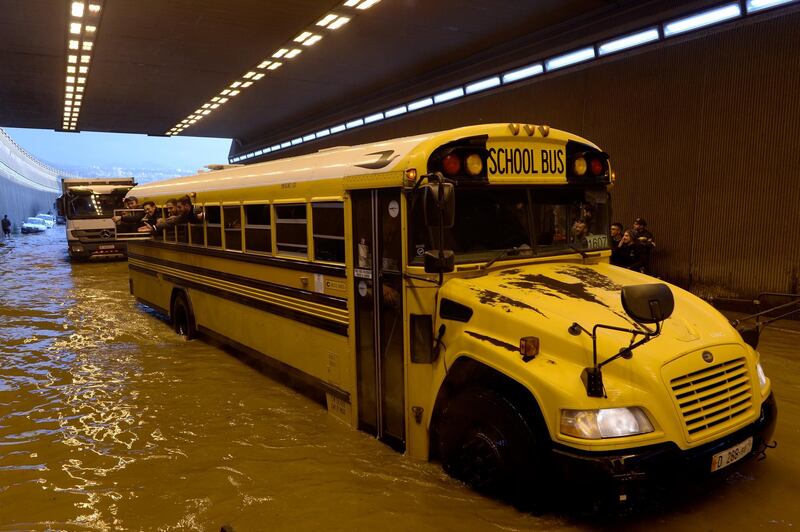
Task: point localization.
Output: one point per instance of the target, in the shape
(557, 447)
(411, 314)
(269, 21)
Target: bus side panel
(321, 354)
(151, 289)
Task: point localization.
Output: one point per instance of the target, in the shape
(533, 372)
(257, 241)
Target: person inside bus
(629, 254)
(580, 230)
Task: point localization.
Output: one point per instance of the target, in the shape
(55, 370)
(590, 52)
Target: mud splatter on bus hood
(545, 299)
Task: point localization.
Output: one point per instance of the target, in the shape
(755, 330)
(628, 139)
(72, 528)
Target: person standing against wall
(6, 227)
(646, 242)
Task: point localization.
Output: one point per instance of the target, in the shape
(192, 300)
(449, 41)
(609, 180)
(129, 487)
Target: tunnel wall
(703, 133)
(27, 186)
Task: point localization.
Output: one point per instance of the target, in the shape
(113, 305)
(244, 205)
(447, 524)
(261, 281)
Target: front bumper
(100, 250)
(663, 462)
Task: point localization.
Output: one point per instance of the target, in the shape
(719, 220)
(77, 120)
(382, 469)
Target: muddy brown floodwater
(109, 421)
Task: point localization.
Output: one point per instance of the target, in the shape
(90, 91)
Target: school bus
(451, 294)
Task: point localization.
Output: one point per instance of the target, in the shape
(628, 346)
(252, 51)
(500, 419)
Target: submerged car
(49, 219)
(34, 225)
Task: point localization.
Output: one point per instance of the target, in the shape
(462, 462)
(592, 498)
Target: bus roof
(395, 155)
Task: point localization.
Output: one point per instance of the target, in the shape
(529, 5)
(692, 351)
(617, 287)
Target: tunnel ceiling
(156, 61)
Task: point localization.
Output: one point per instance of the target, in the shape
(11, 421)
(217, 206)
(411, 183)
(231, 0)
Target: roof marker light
(397, 111)
(311, 41)
(449, 95)
(522, 73)
(571, 58)
(628, 41)
(373, 118)
(483, 85)
(327, 19)
(338, 23)
(419, 104)
(758, 5)
(280, 53)
(77, 9)
(700, 20)
(293, 53)
(338, 129)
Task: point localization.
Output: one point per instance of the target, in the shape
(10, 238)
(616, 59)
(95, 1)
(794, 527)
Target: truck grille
(713, 396)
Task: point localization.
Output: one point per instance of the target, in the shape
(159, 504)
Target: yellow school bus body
(297, 313)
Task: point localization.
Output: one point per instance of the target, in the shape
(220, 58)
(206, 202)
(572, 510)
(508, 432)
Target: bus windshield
(530, 221)
(89, 204)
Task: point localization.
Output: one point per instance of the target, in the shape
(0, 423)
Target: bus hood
(545, 299)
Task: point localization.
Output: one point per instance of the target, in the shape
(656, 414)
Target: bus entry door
(378, 286)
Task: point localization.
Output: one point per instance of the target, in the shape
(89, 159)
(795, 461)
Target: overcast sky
(120, 149)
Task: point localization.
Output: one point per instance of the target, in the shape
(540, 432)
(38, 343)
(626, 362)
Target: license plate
(106, 246)
(731, 455)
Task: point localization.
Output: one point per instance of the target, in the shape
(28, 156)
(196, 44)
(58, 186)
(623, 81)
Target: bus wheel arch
(181, 314)
(488, 431)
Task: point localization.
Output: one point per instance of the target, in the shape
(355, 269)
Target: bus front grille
(713, 397)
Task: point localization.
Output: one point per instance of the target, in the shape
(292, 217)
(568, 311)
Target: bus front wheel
(182, 318)
(487, 442)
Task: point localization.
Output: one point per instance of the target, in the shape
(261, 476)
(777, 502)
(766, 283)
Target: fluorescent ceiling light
(87, 45)
(571, 58)
(449, 95)
(373, 118)
(223, 100)
(94, 8)
(327, 19)
(91, 29)
(351, 3)
(293, 53)
(75, 28)
(74, 44)
(70, 69)
(395, 112)
(214, 105)
(338, 129)
(323, 133)
(83, 69)
(79, 89)
(258, 76)
(338, 23)
(249, 75)
(483, 85)
(366, 4)
(309, 137)
(355, 123)
(629, 41)
(303, 36)
(206, 105)
(311, 41)
(70, 79)
(758, 5)
(275, 147)
(70, 88)
(522, 73)
(233, 93)
(280, 53)
(246, 84)
(85, 58)
(419, 104)
(81, 80)
(264, 64)
(72, 58)
(235, 84)
(285, 144)
(274, 66)
(700, 20)
(207, 111)
(77, 9)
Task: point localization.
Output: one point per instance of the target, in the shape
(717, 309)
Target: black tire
(487, 442)
(182, 318)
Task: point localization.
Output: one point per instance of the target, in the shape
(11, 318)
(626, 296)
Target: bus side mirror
(60, 205)
(440, 262)
(648, 303)
(439, 204)
(751, 336)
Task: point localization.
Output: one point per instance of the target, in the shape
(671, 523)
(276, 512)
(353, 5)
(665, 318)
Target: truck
(87, 205)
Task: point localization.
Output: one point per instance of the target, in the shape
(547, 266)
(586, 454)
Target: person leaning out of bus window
(580, 230)
(645, 240)
(172, 215)
(629, 252)
(129, 218)
(616, 237)
(150, 217)
(186, 214)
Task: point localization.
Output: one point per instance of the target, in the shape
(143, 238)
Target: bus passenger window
(197, 235)
(213, 226)
(258, 228)
(328, 229)
(290, 229)
(233, 227)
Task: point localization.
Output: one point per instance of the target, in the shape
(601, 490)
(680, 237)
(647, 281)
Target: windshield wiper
(505, 253)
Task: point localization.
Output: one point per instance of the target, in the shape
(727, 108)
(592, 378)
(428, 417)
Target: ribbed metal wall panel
(703, 132)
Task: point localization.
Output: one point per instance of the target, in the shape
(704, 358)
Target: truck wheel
(182, 318)
(486, 442)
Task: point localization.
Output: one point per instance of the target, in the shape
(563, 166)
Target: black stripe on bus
(298, 293)
(267, 364)
(314, 321)
(142, 270)
(325, 269)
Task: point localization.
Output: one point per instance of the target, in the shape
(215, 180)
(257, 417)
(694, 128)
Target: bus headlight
(605, 423)
(762, 377)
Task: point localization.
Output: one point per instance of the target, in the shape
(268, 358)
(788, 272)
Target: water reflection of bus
(451, 294)
(87, 206)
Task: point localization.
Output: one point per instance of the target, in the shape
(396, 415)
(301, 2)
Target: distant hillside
(144, 174)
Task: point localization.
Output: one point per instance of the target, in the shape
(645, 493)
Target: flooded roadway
(109, 421)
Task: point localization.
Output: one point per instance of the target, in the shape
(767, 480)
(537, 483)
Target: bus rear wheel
(487, 442)
(182, 318)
